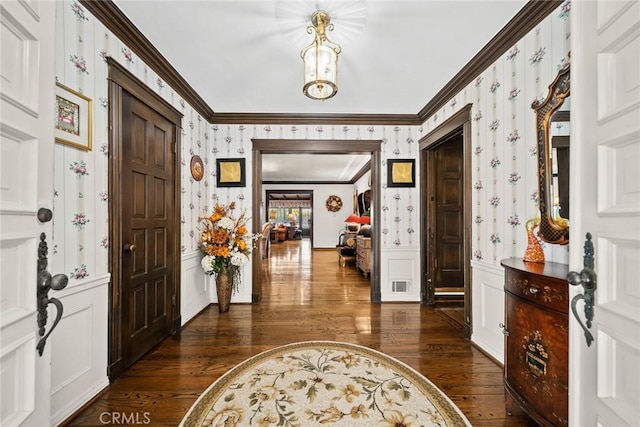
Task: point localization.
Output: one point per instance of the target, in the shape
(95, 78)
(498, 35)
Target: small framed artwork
(401, 173)
(73, 118)
(197, 168)
(230, 172)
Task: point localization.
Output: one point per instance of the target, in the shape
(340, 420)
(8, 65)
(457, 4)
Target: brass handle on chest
(533, 290)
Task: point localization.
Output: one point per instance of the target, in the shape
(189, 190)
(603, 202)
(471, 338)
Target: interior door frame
(120, 79)
(310, 192)
(459, 122)
(316, 146)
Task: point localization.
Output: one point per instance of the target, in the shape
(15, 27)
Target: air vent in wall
(400, 285)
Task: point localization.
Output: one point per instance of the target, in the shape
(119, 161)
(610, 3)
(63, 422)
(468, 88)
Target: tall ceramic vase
(224, 286)
(534, 252)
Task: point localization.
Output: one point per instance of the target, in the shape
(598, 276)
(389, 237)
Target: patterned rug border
(449, 410)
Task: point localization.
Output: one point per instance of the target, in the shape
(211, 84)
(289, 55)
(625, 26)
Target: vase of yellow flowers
(226, 244)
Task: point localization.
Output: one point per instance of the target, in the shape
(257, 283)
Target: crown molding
(533, 12)
(284, 182)
(316, 119)
(112, 17)
(316, 146)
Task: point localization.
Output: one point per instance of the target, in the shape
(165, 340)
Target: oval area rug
(323, 383)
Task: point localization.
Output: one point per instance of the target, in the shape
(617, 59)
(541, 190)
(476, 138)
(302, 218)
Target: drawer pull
(533, 290)
(504, 330)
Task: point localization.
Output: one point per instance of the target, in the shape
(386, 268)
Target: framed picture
(401, 173)
(230, 172)
(73, 118)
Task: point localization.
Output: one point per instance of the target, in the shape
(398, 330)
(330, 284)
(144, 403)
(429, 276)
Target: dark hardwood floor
(307, 296)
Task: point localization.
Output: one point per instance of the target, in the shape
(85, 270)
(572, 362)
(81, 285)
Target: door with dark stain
(448, 199)
(148, 213)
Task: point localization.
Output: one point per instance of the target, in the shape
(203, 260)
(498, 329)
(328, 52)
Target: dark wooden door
(148, 213)
(448, 241)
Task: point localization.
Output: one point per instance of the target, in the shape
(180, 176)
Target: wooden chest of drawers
(363, 254)
(536, 358)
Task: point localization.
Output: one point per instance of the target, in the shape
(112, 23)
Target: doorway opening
(446, 217)
(287, 146)
(292, 209)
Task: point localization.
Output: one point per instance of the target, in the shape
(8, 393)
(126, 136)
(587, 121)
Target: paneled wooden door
(604, 377)
(147, 234)
(27, 82)
(447, 227)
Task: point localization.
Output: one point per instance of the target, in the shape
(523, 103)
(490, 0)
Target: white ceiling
(312, 167)
(244, 56)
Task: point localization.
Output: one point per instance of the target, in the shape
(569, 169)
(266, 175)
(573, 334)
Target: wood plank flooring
(306, 296)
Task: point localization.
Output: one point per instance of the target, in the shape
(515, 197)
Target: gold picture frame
(73, 118)
(401, 173)
(231, 172)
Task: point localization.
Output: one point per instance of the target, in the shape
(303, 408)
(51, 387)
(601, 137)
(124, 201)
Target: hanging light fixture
(320, 59)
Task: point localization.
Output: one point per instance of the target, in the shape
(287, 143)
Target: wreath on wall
(334, 203)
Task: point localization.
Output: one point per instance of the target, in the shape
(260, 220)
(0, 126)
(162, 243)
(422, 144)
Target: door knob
(128, 247)
(44, 215)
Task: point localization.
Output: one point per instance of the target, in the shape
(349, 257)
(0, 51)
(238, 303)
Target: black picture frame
(401, 173)
(231, 172)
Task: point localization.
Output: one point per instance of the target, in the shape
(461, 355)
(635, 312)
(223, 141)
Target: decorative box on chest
(536, 331)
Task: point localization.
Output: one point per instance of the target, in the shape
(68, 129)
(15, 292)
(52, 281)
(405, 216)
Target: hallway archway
(314, 146)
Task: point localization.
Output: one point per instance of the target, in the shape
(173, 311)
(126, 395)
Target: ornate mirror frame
(551, 230)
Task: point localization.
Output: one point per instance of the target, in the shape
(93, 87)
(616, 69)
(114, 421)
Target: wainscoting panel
(79, 346)
(488, 308)
(400, 275)
(16, 376)
(19, 67)
(194, 292)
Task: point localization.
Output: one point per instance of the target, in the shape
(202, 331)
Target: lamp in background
(292, 218)
(353, 218)
(352, 221)
(320, 59)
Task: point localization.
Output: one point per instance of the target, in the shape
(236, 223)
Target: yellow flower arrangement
(225, 242)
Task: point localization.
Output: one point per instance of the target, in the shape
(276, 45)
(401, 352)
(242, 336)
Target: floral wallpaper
(504, 165)
(80, 236)
(505, 192)
(80, 239)
(399, 208)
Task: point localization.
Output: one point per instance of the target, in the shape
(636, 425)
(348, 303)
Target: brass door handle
(128, 247)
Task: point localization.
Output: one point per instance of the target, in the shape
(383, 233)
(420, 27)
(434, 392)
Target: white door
(604, 387)
(26, 176)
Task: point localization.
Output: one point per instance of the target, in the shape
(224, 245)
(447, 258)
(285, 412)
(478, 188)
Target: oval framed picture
(197, 168)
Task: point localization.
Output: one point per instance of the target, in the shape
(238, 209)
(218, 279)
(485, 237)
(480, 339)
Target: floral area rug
(323, 383)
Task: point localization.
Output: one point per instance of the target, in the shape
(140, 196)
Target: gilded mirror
(552, 125)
